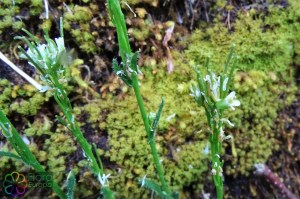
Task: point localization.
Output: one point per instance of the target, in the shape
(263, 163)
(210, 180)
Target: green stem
(151, 139)
(220, 192)
(65, 105)
(216, 146)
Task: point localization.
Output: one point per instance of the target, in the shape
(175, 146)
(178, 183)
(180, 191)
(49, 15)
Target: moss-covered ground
(267, 39)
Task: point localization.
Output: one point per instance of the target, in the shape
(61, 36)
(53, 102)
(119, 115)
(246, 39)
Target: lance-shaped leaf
(152, 186)
(10, 155)
(134, 62)
(71, 183)
(157, 116)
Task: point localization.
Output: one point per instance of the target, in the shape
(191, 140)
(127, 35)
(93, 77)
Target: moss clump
(5, 97)
(150, 2)
(254, 136)
(142, 31)
(8, 11)
(263, 43)
(57, 162)
(30, 106)
(36, 7)
(77, 22)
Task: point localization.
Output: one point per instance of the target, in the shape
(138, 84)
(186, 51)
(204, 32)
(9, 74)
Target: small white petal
(227, 121)
(25, 139)
(206, 149)
(225, 84)
(168, 119)
(143, 180)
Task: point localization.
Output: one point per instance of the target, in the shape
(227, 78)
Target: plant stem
(151, 139)
(65, 105)
(216, 146)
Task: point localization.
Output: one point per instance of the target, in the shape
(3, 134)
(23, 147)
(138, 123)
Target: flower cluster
(46, 55)
(49, 58)
(212, 92)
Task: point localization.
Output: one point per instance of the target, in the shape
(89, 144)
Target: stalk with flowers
(50, 60)
(211, 92)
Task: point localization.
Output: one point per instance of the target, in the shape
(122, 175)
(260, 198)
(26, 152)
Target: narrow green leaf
(37, 65)
(152, 186)
(98, 158)
(229, 57)
(31, 36)
(116, 68)
(62, 121)
(157, 117)
(134, 62)
(71, 183)
(118, 20)
(10, 155)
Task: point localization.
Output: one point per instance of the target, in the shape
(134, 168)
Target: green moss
(56, 156)
(264, 75)
(269, 48)
(29, 107)
(41, 126)
(151, 2)
(142, 31)
(77, 22)
(6, 90)
(36, 7)
(8, 12)
(264, 83)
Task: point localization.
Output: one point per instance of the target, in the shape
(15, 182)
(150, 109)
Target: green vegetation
(80, 17)
(268, 46)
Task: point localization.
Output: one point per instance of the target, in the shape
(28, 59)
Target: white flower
(228, 102)
(103, 179)
(214, 172)
(231, 101)
(47, 54)
(225, 84)
(195, 92)
(60, 44)
(143, 180)
(206, 149)
(214, 84)
(168, 119)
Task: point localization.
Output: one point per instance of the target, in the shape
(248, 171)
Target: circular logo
(15, 184)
